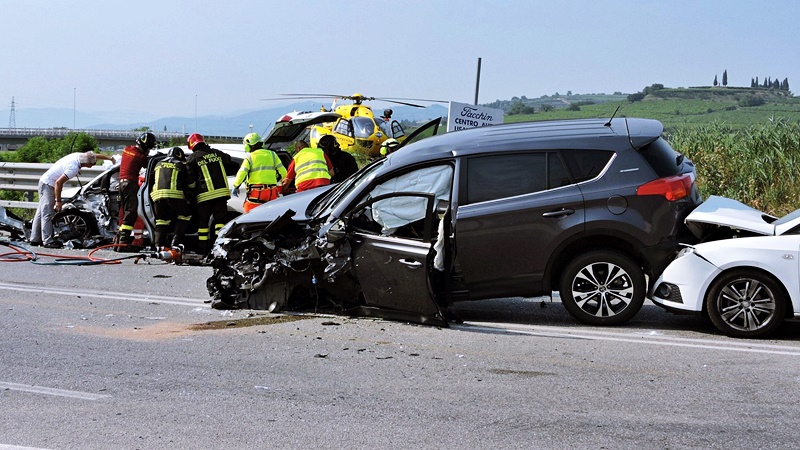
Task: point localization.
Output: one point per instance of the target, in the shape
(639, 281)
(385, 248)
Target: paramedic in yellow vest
(261, 169)
(309, 168)
(170, 205)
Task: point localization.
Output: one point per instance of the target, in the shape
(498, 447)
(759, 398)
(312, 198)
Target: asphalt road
(130, 356)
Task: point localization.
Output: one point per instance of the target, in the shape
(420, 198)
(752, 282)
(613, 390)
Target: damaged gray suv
(587, 208)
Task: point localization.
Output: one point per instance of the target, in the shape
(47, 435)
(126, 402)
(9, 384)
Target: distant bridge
(14, 138)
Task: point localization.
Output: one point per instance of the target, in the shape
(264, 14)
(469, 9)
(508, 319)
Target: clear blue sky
(167, 57)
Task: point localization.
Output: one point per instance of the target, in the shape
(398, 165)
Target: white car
(747, 281)
(91, 212)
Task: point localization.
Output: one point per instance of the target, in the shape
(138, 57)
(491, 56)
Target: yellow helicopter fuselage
(357, 130)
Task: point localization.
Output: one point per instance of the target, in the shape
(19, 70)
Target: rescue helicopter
(354, 125)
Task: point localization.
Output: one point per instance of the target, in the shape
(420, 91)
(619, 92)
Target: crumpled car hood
(297, 202)
(729, 213)
(13, 224)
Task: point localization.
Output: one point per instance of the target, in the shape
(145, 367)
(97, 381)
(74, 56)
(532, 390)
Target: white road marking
(635, 337)
(52, 391)
(17, 447)
(145, 298)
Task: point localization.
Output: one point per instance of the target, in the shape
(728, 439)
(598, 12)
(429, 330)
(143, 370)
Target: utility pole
(12, 121)
(478, 81)
(74, 96)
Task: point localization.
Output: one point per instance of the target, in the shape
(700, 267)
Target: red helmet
(193, 140)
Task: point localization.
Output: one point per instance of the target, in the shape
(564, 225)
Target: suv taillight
(672, 188)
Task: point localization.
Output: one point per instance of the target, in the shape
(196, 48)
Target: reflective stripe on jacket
(169, 181)
(310, 164)
(260, 167)
(208, 166)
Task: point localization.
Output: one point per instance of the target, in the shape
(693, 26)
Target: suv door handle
(411, 263)
(560, 213)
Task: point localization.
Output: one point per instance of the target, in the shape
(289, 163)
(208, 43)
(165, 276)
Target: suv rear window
(662, 158)
(500, 176)
(586, 164)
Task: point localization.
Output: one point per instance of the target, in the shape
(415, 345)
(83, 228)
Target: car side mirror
(334, 231)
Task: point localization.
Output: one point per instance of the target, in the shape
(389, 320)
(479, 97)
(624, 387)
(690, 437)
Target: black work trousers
(128, 204)
(169, 212)
(210, 216)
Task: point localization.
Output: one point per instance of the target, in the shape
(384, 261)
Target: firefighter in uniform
(310, 166)
(344, 163)
(262, 169)
(171, 182)
(209, 167)
(134, 157)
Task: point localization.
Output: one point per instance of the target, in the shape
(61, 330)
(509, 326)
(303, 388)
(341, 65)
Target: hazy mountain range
(230, 125)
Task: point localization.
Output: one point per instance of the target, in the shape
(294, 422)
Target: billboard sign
(461, 116)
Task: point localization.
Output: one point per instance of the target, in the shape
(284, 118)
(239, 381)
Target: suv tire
(602, 287)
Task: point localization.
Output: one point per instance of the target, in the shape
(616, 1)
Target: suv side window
(403, 216)
(586, 165)
(507, 175)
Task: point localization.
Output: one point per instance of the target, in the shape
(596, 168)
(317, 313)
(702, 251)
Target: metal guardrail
(25, 177)
(63, 132)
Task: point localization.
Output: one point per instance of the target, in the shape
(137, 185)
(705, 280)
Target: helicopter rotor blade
(400, 103)
(412, 99)
(301, 97)
(360, 98)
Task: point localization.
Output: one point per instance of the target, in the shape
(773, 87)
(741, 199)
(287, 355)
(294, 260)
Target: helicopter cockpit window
(364, 127)
(344, 127)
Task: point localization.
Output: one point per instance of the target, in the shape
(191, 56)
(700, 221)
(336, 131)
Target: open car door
(145, 208)
(427, 130)
(394, 267)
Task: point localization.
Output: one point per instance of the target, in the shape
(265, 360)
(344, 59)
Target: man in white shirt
(50, 185)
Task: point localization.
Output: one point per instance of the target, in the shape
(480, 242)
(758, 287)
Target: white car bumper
(684, 283)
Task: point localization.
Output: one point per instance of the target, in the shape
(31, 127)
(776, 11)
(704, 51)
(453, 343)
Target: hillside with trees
(737, 107)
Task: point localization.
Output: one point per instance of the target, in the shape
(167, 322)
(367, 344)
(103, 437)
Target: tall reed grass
(759, 165)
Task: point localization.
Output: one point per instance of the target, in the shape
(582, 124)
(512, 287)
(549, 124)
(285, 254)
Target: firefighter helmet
(250, 141)
(194, 139)
(146, 141)
(176, 153)
(328, 142)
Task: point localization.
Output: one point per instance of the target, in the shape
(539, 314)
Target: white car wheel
(746, 304)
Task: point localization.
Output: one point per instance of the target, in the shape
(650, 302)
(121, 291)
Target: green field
(688, 108)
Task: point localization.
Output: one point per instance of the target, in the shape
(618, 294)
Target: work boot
(126, 244)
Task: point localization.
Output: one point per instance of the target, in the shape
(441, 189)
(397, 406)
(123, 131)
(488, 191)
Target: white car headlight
(688, 250)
